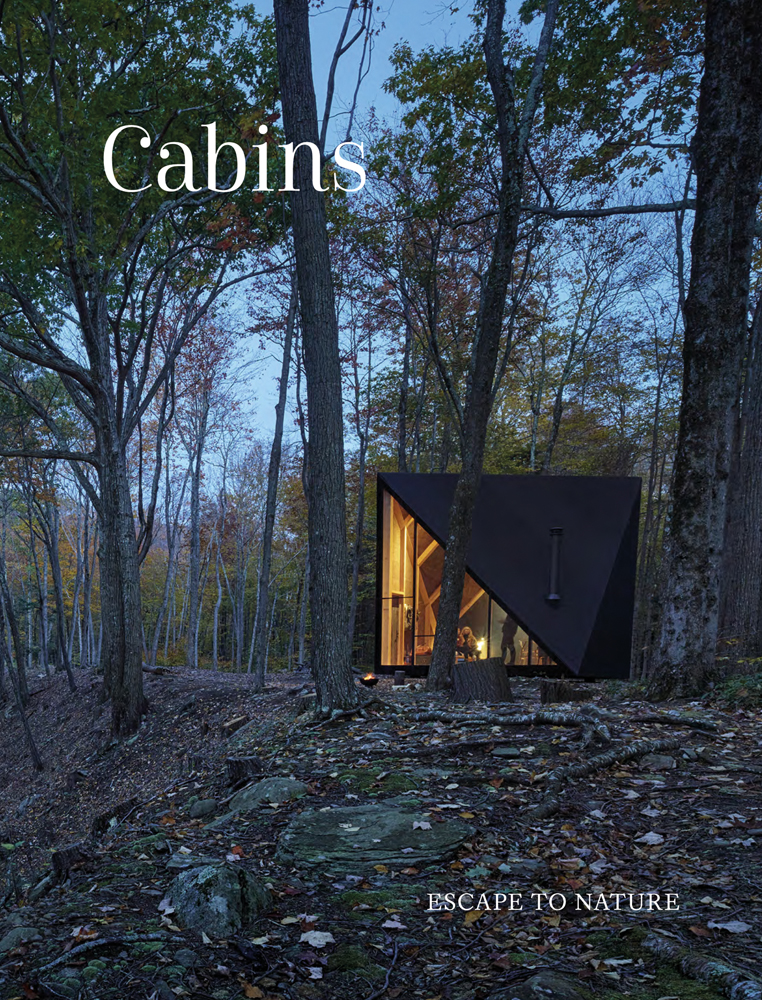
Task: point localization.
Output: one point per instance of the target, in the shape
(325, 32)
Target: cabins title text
(180, 174)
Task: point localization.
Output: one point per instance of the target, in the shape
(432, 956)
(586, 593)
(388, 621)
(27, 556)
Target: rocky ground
(237, 848)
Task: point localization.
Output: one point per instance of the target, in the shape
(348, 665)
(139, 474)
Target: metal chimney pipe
(554, 596)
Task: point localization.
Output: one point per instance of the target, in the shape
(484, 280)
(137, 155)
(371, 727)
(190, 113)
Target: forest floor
(686, 819)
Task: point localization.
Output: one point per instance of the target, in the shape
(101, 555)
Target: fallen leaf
(393, 924)
(650, 838)
(732, 926)
(318, 939)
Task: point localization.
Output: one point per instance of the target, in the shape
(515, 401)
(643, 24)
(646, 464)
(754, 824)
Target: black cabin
(550, 585)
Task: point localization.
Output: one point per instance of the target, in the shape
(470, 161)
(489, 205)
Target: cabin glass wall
(397, 584)
(474, 609)
(509, 641)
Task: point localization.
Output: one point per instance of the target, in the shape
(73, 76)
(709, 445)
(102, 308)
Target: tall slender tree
(514, 124)
(320, 332)
(273, 472)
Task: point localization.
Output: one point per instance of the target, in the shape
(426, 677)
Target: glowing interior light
(480, 645)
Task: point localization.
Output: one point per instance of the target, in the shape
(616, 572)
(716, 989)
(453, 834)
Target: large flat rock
(375, 834)
(546, 985)
(268, 790)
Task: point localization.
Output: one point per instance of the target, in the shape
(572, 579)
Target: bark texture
(325, 483)
(740, 626)
(122, 651)
(727, 155)
(485, 681)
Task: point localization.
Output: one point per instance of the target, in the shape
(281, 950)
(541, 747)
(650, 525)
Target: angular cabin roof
(589, 630)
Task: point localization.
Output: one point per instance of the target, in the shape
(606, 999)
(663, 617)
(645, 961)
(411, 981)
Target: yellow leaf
(473, 915)
(381, 868)
(253, 992)
(466, 815)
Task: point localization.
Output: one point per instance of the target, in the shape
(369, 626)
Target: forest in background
(147, 518)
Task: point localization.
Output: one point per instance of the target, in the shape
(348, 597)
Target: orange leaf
(700, 931)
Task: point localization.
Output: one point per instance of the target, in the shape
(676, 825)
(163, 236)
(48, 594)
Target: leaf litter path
(687, 820)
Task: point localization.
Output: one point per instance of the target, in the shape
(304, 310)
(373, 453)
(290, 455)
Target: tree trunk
(335, 685)
(217, 603)
(512, 138)
(121, 652)
(357, 547)
(44, 615)
(362, 428)
(727, 154)
(273, 472)
(303, 613)
(194, 559)
(404, 386)
(292, 634)
(14, 681)
(86, 653)
(741, 586)
(75, 616)
(18, 647)
(52, 534)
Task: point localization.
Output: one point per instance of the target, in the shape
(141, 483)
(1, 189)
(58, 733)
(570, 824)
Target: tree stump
(243, 769)
(553, 691)
(115, 815)
(480, 680)
(67, 857)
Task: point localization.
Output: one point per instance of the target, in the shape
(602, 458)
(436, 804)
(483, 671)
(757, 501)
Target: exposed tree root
(105, 943)
(618, 755)
(590, 721)
(734, 984)
(668, 719)
(358, 709)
